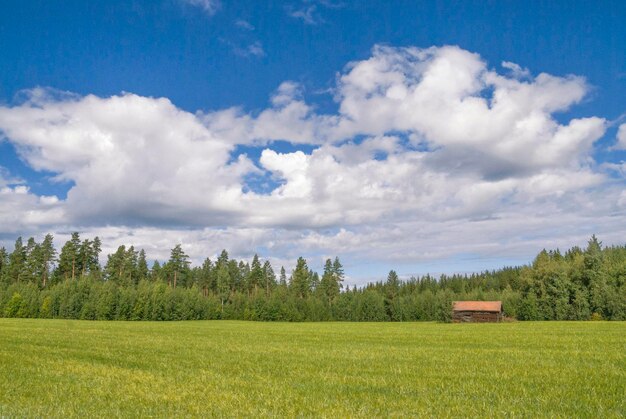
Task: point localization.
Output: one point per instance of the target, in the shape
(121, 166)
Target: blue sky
(277, 91)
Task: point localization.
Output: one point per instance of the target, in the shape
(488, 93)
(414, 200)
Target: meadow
(68, 368)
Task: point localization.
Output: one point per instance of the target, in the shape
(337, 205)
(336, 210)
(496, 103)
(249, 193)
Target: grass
(70, 368)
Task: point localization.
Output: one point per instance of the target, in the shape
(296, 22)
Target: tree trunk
(175, 274)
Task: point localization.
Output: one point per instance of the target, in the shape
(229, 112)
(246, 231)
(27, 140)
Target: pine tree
(88, 257)
(269, 277)
(93, 264)
(115, 268)
(84, 256)
(178, 263)
(338, 272)
(222, 259)
(66, 268)
(131, 263)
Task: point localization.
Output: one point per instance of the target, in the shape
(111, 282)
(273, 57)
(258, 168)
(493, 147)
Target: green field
(219, 368)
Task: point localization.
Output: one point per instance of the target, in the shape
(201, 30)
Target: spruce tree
(17, 261)
(283, 277)
(206, 277)
(223, 282)
(300, 279)
(329, 285)
(32, 262)
(4, 266)
(48, 256)
(142, 266)
(155, 272)
(392, 285)
(256, 275)
(236, 278)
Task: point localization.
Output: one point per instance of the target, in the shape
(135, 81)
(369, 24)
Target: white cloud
(244, 24)
(516, 70)
(210, 7)
(289, 118)
(6, 179)
(430, 154)
(445, 98)
(439, 94)
(251, 49)
(307, 13)
(291, 167)
(22, 211)
(621, 137)
(254, 49)
(132, 158)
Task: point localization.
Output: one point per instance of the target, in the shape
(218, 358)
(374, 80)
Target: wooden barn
(477, 311)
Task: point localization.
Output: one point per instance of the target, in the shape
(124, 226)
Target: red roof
(495, 306)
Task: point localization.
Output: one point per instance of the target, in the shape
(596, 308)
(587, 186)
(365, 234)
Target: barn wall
(476, 316)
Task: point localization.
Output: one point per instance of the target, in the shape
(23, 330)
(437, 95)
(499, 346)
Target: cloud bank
(431, 154)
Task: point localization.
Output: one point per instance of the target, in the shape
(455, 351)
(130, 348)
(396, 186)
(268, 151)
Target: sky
(425, 137)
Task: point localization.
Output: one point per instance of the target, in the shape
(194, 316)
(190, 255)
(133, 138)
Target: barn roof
(495, 306)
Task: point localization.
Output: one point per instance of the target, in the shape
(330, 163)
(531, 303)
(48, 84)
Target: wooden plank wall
(476, 316)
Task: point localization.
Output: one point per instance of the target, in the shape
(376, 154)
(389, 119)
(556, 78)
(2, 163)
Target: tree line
(38, 281)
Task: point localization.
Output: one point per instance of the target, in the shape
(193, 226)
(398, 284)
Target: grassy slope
(62, 368)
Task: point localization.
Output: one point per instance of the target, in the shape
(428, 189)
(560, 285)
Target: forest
(37, 281)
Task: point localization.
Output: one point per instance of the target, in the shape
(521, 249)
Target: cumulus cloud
(22, 211)
(288, 118)
(430, 154)
(450, 98)
(132, 158)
